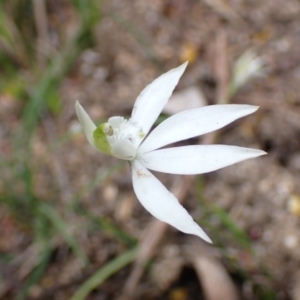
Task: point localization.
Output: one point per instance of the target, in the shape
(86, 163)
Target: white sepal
(196, 159)
(194, 122)
(162, 204)
(154, 97)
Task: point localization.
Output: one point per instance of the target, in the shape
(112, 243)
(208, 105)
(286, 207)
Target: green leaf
(37, 273)
(103, 273)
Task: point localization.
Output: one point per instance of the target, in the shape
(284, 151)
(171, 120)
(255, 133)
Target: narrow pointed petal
(87, 124)
(162, 204)
(197, 159)
(153, 98)
(194, 122)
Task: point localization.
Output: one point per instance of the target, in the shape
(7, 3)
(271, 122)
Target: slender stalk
(105, 272)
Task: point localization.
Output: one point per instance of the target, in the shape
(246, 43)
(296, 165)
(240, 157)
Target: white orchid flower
(128, 140)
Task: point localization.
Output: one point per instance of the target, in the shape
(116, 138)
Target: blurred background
(70, 224)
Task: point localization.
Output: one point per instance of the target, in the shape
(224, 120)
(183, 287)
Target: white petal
(87, 124)
(194, 122)
(196, 159)
(153, 98)
(123, 149)
(162, 204)
(116, 122)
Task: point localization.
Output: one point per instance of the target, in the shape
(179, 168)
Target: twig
(40, 18)
(226, 11)
(59, 172)
(221, 68)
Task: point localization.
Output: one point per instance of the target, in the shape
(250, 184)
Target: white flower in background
(246, 67)
(128, 140)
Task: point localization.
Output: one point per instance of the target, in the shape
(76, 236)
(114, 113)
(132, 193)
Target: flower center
(122, 135)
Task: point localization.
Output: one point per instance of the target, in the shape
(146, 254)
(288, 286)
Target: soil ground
(135, 42)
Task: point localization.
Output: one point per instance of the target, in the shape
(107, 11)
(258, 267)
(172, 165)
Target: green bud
(100, 139)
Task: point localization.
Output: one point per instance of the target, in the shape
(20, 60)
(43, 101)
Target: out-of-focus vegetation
(32, 70)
